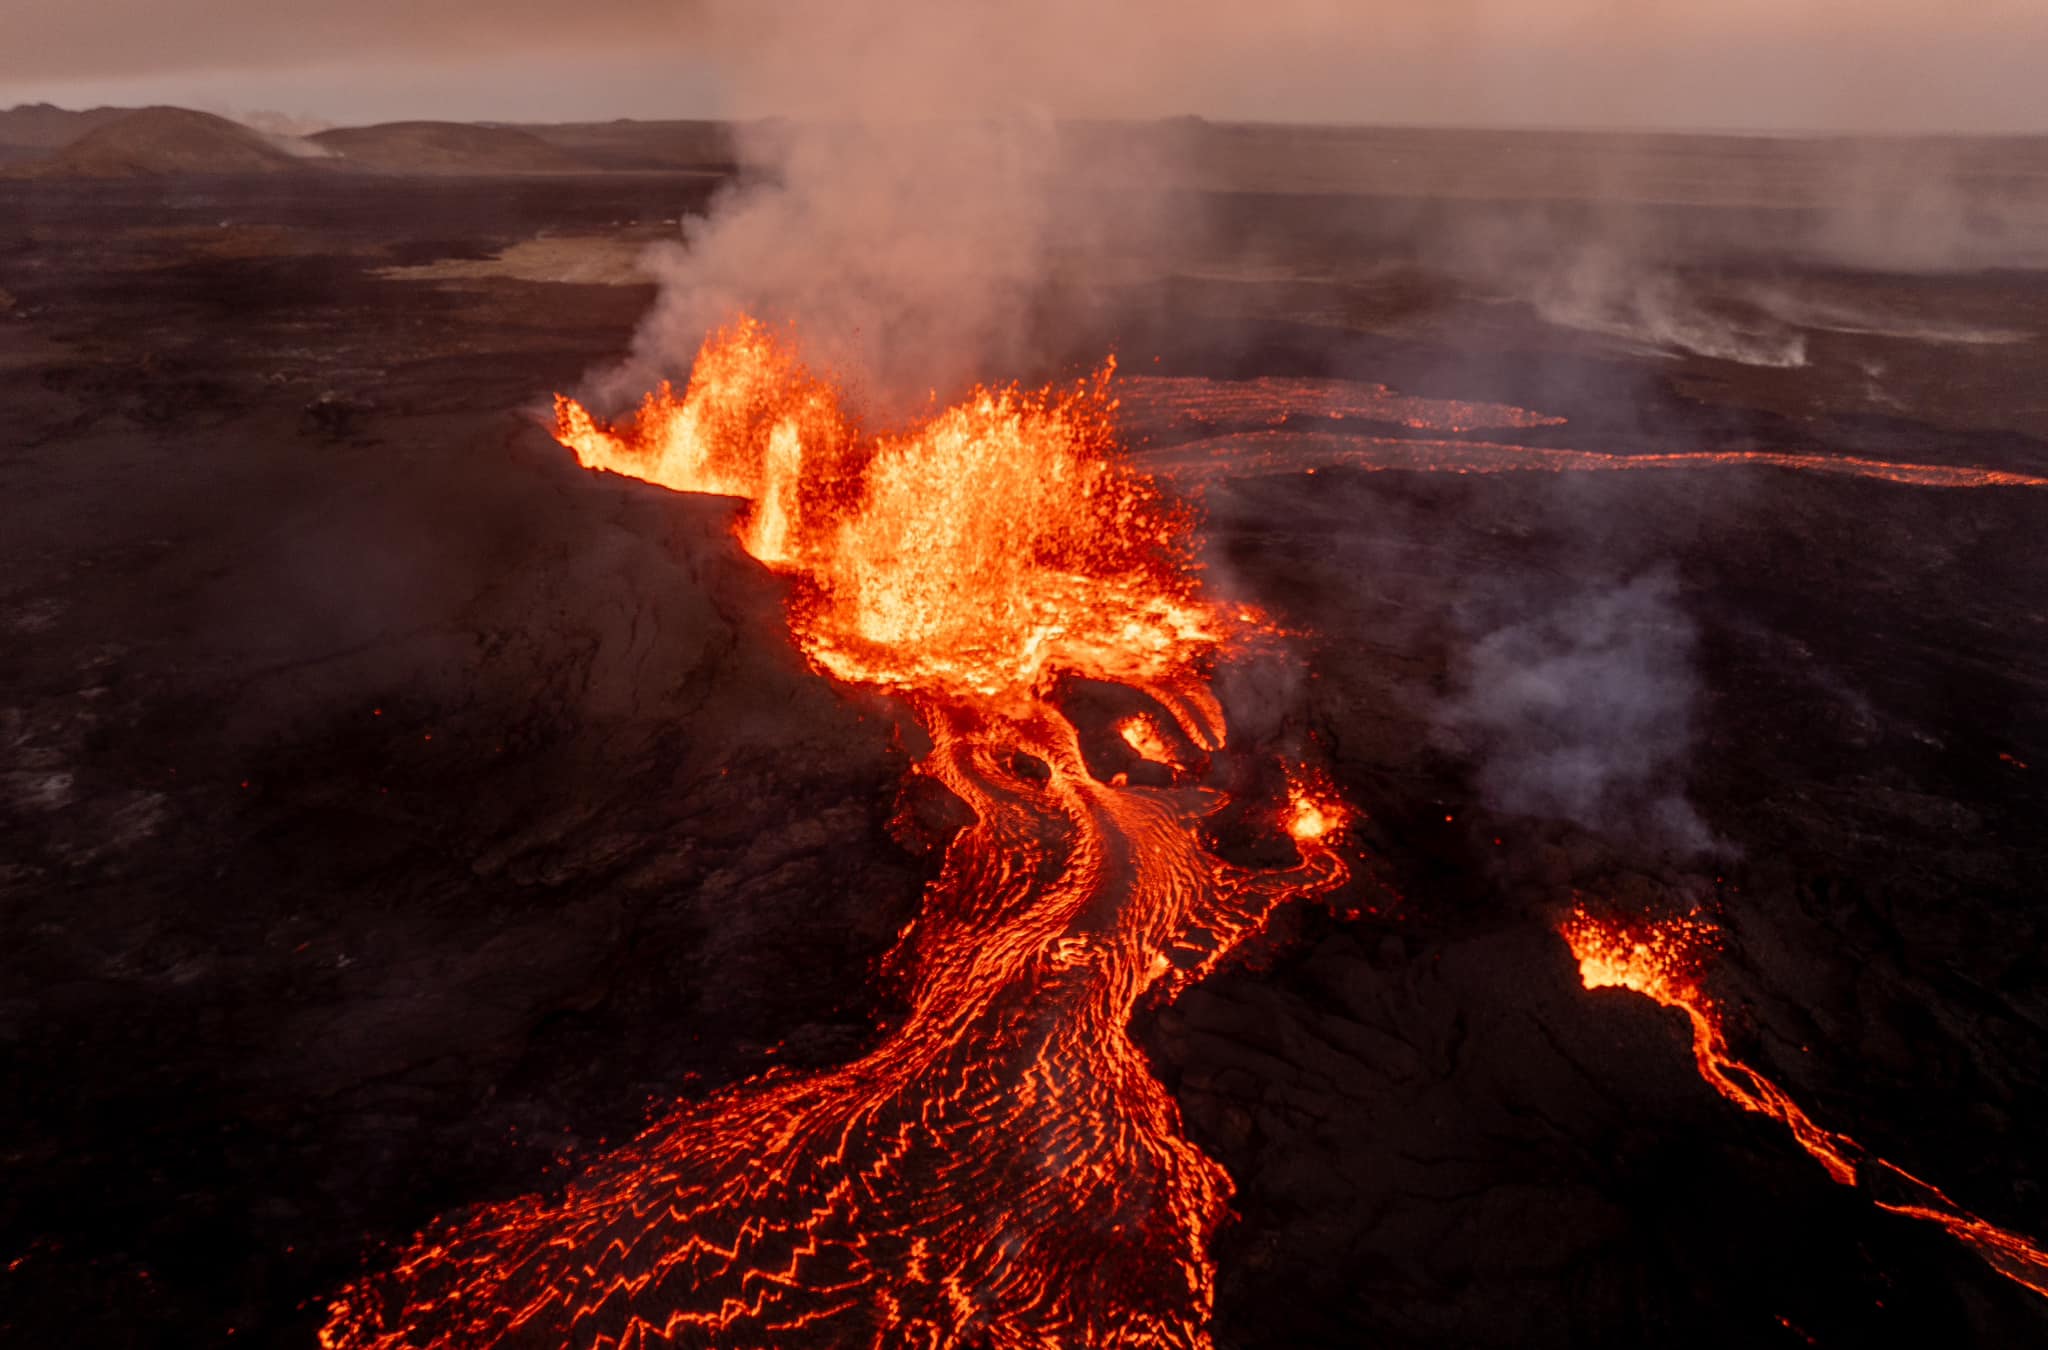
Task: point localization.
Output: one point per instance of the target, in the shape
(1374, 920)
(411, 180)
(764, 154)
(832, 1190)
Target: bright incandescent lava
(1663, 961)
(1002, 1169)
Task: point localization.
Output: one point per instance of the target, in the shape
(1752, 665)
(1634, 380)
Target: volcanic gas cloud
(1002, 1169)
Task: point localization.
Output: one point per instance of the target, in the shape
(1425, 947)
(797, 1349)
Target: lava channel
(1663, 961)
(1002, 1169)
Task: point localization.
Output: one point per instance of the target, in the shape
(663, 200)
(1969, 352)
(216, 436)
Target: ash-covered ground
(393, 811)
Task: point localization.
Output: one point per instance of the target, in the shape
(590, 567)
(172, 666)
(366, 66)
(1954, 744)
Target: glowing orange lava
(1664, 961)
(1315, 812)
(1142, 735)
(969, 555)
(1246, 453)
(1002, 1169)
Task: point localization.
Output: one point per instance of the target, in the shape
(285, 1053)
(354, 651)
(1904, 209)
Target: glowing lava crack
(1002, 1170)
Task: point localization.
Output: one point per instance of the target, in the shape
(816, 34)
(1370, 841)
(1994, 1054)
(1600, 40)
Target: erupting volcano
(1663, 961)
(1001, 1169)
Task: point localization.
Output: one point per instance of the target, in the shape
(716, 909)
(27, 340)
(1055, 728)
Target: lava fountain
(1001, 1169)
(1664, 961)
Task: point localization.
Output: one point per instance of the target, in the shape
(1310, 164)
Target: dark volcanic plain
(391, 812)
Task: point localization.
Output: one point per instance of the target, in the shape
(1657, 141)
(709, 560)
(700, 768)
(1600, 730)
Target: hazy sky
(1896, 65)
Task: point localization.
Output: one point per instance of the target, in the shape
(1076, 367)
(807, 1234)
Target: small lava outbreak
(1663, 961)
(1001, 1169)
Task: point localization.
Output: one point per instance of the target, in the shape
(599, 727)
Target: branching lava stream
(1662, 961)
(1001, 1169)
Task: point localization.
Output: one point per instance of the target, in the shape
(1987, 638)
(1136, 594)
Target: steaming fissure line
(1663, 961)
(1001, 1169)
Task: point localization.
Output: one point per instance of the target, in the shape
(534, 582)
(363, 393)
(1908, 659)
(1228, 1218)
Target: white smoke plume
(1584, 713)
(911, 256)
(1599, 290)
(917, 198)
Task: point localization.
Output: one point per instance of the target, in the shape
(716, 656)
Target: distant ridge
(151, 141)
(45, 126)
(446, 147)
(691, 145)
(31, 131)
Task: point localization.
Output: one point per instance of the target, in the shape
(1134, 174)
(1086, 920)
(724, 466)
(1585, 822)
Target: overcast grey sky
(1888, 65)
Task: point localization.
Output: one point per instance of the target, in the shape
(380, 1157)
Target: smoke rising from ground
(1600, 290)
(912, 256)
(1585, 713)
(919, 207)
(1681, 253)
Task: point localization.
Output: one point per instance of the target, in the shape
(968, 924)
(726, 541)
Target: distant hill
(44, 126)
(446, 147)
(166, 141)
(625, 144)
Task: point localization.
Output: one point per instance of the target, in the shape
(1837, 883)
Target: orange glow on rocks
(1664, 961)
(1001, 1169)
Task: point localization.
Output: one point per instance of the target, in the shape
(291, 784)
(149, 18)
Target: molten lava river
(1002, 1169)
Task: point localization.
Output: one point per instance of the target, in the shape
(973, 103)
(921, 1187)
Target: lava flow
(1245, 453)
(1001, 1169)
(1201, 428)
(1663, 961)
